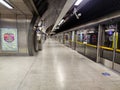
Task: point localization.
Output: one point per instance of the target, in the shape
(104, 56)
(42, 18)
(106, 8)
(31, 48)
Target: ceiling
(52, 13)
(90, 10)
(48, 10)
(19, 8)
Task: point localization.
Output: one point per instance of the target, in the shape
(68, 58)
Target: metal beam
(65, 9)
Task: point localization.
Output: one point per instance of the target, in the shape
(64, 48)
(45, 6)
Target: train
(98, 40)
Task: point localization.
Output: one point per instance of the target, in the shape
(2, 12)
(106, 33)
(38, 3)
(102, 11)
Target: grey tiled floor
(56, 67)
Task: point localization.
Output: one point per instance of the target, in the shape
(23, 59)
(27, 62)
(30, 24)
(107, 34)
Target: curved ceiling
(90, 10)
(52, 13)
(41, 6)
(48, 10)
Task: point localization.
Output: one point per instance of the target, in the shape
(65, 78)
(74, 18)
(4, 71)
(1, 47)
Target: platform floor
(56, 67)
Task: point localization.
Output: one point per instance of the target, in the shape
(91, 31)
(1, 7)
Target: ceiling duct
(37, 2)
(37, 6)
(41, 6)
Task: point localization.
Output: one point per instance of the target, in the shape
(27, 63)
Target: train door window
(92, 36)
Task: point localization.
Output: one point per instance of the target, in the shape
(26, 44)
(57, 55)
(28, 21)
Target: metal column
(99, 43)
(114, 51)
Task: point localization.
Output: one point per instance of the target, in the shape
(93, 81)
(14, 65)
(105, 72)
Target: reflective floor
(56, 67)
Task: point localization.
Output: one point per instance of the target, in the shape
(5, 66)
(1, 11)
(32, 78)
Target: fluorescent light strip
(6, 4)
(61, 22)
(78, 2)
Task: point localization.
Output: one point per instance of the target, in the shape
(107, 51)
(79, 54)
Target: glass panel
(67, 38)
(108, 34)
(117, 56)
(80, 36)
(80, 47)
(91, 45)
(92, 36)
(118, 30)
(107, 45)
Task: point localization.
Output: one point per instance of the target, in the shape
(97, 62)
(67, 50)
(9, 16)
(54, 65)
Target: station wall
(14, 34)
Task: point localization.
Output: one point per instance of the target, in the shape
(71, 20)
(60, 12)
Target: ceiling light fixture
(78, 2)
(62, 21)
(3, 2)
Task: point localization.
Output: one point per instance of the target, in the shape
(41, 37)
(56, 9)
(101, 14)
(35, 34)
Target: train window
(92, 37)
(77, 36)
(67, 36)
(108, 36)
(80, 36)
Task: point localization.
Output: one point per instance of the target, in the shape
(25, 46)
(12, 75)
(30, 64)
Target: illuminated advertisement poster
(9, 39)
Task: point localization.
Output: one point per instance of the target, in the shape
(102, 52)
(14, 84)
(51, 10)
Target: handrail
(91, 45)
(102, 47)
(117, 50)
(107, 48)
(86, 44)
(79, 42)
